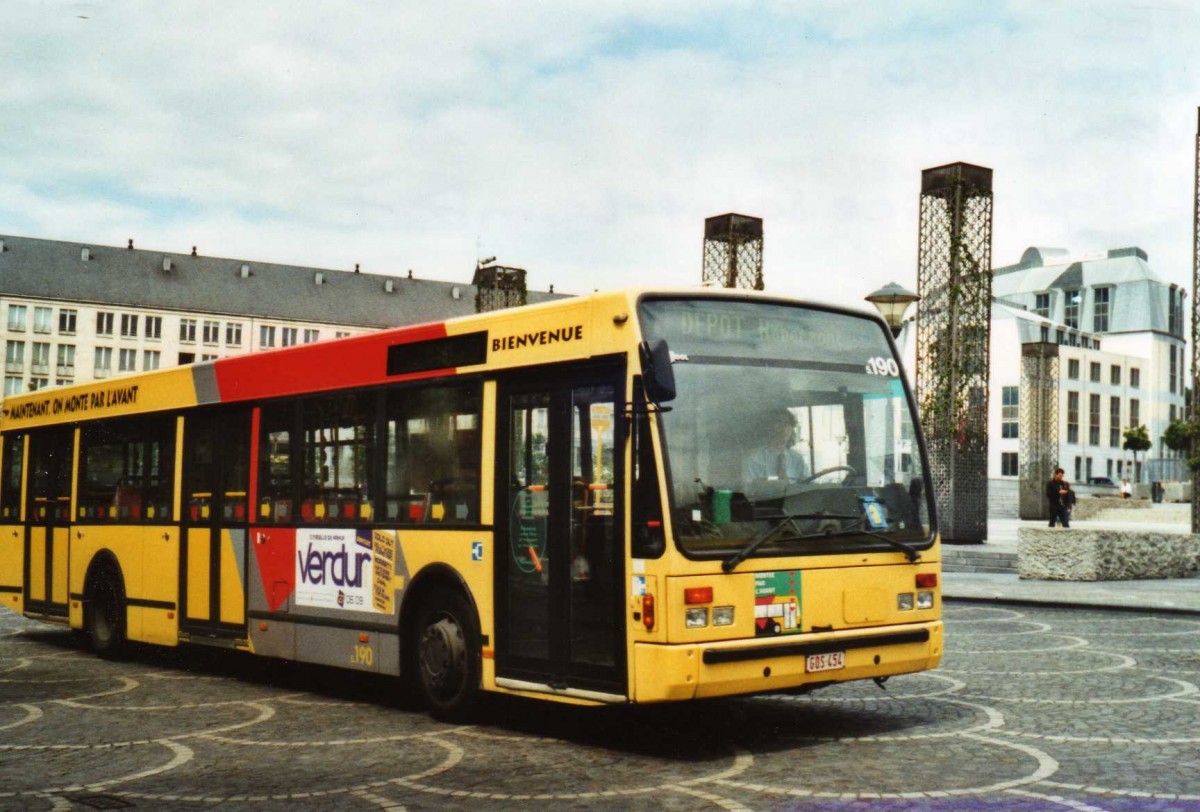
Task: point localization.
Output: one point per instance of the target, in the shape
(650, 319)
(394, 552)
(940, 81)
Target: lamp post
(892, 302)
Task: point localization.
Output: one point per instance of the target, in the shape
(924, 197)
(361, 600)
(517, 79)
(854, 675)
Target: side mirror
(658, 377)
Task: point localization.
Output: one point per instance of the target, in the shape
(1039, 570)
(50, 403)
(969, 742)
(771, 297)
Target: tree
(1137, 438)
(1179, 436)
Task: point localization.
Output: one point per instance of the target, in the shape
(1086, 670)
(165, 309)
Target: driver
(777, 461)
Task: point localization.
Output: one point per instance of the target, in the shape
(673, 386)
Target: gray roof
(125, 277)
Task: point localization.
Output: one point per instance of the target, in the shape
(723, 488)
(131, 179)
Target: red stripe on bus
(360, 361)
(252, 500)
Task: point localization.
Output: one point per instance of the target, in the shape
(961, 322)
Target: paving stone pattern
(1034, 708)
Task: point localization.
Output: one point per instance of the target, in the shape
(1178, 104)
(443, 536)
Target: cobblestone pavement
(1034, 708)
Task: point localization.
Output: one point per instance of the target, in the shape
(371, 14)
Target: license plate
(825, 662)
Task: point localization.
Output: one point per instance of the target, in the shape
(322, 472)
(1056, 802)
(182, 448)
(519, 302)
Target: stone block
(1089, 508)
(1054, 554)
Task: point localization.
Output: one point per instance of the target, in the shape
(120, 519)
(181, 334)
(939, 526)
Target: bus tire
(446, 653)
(104, 614)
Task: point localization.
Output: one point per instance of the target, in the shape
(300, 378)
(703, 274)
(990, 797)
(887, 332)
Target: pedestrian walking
(1061, 497)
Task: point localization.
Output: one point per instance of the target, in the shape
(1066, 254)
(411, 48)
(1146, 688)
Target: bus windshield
(791, 432)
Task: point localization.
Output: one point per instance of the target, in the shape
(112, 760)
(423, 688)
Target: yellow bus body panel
(148, 557)
(233, 591)
(12, 566)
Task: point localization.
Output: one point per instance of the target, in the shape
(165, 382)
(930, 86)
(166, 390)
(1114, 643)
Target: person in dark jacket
(1061, 497)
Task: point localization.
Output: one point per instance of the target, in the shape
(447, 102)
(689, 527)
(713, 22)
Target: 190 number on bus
(882, 366)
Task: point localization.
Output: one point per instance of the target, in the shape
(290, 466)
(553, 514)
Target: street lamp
(892, 302)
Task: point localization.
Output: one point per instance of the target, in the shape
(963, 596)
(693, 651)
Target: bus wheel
(447, 655)
(105, 616)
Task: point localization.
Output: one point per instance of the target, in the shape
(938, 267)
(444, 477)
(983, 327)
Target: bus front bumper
(666, 673)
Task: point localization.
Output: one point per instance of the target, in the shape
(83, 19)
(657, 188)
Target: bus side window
(433, 454)
(339, 447)
(127, 471)
(275, 464)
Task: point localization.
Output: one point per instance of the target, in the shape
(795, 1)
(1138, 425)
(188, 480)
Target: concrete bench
(1104, 555)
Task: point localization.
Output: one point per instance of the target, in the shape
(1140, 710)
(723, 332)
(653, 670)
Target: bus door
(559, 543)
(216, 463)
(48, 530)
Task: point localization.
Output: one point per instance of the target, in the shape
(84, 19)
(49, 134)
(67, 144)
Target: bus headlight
(924, 600)
(722, 615)
(697, 617)
(904, 601)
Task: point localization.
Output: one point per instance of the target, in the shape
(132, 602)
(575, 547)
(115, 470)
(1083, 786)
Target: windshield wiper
(909, 552)
(741, 555)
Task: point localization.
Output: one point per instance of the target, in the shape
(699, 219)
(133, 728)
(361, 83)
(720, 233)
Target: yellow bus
(641, 496)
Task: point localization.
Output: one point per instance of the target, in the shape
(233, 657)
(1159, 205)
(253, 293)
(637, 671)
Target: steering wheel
(850, 471)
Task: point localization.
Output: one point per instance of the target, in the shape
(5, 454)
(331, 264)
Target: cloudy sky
(587, 141)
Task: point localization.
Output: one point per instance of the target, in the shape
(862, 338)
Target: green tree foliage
(1137, 438)
(1178, 436)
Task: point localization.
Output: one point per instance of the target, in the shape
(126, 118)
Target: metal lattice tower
(733, 251)
(497, 287)
(1195, 415)
(954, 280)
(1038, 399)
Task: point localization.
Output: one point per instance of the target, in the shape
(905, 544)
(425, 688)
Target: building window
(1094, 420)
(1089, 469)
(233, 334)
(312, 336)
(186, 358)
(38, 383)
(1008, 464)
(129, 325)
(1095, 372)
(1009, 411)
(187, 330)
(341, 334)
(1078, 468)
(154, 327)
(1114, 422)
(1073, 369)
(1072, 417)
(103, 361)
(1135, 378)
(66, 361)
(43, 318)
(1173, 371)
(1041, 305)
(1045, 334)
(104, 324)
(13, 385)
(208, 356)
(1101, 297)
(41, 358)
(266, 335)
(288, 337)
(1171, 419)
(212, 332)
(16, 318)
(66, 322)
(127, 362)
(1134, 409)
(1114, 375)
(1071, 308)
(1175, 311)
(14, 356)
(151, 359)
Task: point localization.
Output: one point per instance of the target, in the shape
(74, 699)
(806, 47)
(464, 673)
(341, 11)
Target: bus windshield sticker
(873, 511)
(776, 603)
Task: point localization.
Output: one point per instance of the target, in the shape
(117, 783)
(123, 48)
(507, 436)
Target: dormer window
(1072, 301)
(1041, 305)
